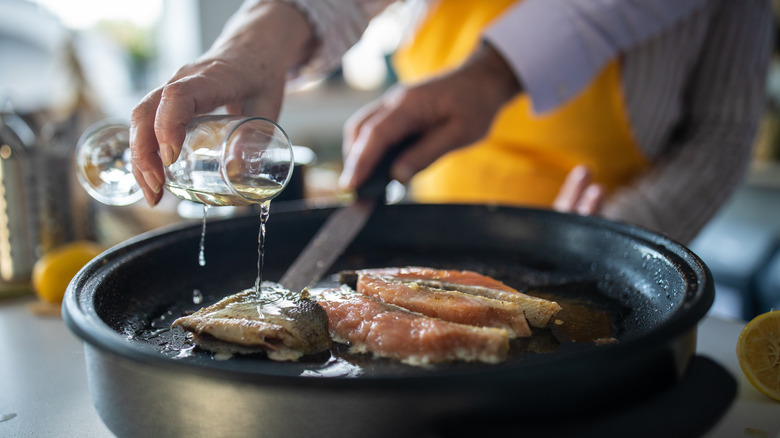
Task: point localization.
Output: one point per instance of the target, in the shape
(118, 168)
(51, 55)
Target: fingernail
(583, 171)
(152, 181)
(347, 173)
(149, 199)
(345, 179)
(166, 154)
(403, 173)
(590, 201)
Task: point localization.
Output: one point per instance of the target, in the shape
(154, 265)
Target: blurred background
(69, 64)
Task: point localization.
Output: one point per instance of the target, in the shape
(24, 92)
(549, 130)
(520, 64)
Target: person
(643, 111)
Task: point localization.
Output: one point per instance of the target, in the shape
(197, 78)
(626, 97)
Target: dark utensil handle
(374, 187)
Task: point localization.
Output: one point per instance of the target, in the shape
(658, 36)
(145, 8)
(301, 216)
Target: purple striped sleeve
(556, 47)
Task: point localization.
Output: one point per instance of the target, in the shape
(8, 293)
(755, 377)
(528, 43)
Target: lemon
(54, 270)
(758, 351)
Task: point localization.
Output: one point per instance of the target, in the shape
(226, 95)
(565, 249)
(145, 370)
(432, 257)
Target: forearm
(493, 73)
(263, 31)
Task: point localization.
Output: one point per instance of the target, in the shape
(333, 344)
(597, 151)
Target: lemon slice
(758, 351)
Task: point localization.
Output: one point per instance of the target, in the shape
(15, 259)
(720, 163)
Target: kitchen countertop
(43, 388)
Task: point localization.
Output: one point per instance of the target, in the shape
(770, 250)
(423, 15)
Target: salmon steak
(283, 324)
(450, 306)
(386, 330)
(538, 311)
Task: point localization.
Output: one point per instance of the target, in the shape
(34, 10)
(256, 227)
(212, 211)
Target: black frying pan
(142, 383)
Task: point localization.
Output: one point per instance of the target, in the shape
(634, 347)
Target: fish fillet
(279, 322)
(450, 306)
(462, 277)
(538, 311)
(385, 330)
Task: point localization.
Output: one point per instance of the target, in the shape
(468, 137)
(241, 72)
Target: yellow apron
(525, 157)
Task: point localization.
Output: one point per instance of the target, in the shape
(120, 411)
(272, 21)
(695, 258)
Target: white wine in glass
(225, 160)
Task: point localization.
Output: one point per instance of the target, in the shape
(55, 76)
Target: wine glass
(225, 160)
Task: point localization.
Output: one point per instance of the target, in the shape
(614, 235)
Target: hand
(443, 113)
(244, 71)
(579, 194)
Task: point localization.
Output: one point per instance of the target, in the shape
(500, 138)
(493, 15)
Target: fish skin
(284, 324)
(538, 311)
(386, 330)
(462, 277)
(450, 306)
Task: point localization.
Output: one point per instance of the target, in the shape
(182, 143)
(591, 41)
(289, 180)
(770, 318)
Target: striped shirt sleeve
(702, 159)
(556, 47)
(337, 26)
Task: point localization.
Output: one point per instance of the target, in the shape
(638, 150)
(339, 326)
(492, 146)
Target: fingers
(423, 113)
(197, 93)
(436, 142)
(157, 132)
(572, 188)
(146, 163)
(175, 110)
(591, 200)
(579, 194)
(375, 135)
(355, 123)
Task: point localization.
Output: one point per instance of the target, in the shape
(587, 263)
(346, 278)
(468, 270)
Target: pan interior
(636, 280)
